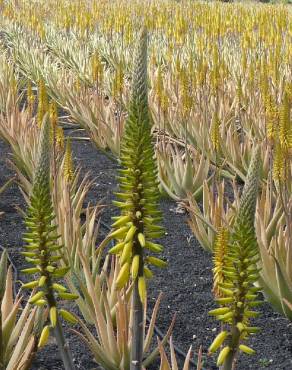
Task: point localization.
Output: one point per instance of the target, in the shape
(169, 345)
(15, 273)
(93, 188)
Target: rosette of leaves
(137, 225)
(110, 340)
(207, 219)
(43, 251)
(237, 293)
(17, 337)
(181, 172)
(275, 245)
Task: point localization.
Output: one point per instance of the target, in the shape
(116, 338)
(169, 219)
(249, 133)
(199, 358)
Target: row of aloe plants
(54, 255)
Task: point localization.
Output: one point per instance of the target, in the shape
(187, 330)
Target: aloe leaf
(150, 358)
(147, 341)
(285, 291)
(174, 365)
(23, 342)
(97, 350)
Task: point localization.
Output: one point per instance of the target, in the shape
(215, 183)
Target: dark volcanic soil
(186, 283)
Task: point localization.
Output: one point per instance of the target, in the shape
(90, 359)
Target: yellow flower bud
(30, 285)
(122, 221)
(127, 252)
(135, 266)
(36, 297)
(246, 349)
(130, 233)
(123, 276)
(217, 342)
(141, 239)
(53, 316)
(44, 336)
(117, 248)
(156, 262)
(222, 355)
(68, 316)
(142, 289)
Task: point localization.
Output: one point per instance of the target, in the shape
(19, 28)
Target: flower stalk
(138, 195)
(237, 294)
(42, 249)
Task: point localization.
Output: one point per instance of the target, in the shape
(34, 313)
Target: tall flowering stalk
(236, 293)
(137, 225)
(43, 251)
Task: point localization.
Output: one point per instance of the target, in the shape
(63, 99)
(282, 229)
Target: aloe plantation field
(145, 185)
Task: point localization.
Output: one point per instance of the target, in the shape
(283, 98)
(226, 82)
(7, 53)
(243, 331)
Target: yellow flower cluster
(210, 63)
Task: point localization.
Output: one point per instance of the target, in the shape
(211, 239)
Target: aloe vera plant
(237, 293)
(20, 325)
(112, 316)
(216, 212)
(137, 225)
(274, 240)
(43, 251)
(181, 172)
